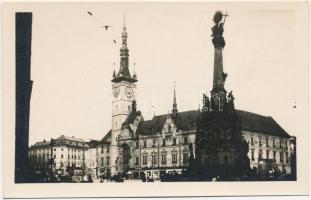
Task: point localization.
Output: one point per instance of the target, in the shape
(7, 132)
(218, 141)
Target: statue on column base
(218, 29)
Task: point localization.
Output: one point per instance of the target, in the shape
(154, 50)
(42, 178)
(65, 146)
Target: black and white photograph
(138, 95)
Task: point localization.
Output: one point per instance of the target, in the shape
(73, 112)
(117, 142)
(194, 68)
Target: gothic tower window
(164, 143)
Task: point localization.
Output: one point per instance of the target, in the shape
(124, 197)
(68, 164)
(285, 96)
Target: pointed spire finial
(174, 92)
(174, 110)
(134, 73)
(124, 21)
(124, 74)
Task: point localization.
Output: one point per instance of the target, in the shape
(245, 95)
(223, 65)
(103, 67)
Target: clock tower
(124, 92)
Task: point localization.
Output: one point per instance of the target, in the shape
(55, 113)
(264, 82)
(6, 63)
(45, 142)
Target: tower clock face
(129, 92)
(116, 92)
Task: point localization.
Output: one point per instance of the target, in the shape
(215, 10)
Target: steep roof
(92, 143)
(42, 144)
(63, 137)
(261, 124)
(185, 121)
(131, 118)
(106, 138)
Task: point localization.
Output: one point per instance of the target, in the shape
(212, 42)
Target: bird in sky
(106, 27)
(295, 105)
(89, 12)
(114, 41)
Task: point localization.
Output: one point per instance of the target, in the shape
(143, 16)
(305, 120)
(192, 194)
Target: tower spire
(134, 73)
(174, 110)
(124, 73)
(124, 24)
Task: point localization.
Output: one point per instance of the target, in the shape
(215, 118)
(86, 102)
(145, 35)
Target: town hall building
(164, 143)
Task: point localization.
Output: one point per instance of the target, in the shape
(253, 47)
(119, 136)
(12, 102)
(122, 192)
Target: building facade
(58, 155)
(91, 158)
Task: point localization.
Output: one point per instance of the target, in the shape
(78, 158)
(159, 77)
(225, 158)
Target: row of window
(102, 149)
(154, 142)
(107, 161)
(267, 142)
(54, 149)
(61, 156)
(260, 155)
(163, 161)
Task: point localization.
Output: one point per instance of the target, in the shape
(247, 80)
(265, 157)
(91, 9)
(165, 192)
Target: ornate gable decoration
(169, 127)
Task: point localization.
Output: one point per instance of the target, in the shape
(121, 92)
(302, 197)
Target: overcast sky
(72, 63)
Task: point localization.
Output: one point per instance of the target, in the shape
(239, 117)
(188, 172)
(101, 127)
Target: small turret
(134, 73)
(114, 74)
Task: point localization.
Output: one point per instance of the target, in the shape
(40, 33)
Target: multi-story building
(103, 155)
(164, 143)
(39, 155)
(268, 142)
(91, 158)
(58, 154)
